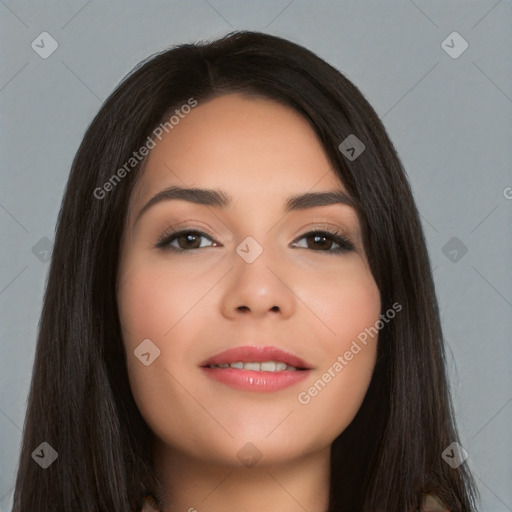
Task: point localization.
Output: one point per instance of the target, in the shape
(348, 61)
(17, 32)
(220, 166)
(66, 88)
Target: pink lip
(250, 380)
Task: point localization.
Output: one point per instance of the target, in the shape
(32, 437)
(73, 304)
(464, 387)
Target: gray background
(450, 120)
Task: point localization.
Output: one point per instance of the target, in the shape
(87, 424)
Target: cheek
(151, 300)
(345, 301)
(140, 304)
(149, 308)
(348, 306)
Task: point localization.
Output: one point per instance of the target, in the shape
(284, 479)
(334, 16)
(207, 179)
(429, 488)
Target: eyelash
(344, 244)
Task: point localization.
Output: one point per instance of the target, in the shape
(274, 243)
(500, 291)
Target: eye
(184, 240)
(326, 241)
(319, 241)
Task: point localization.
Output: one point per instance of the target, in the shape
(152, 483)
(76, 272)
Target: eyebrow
(220, 199)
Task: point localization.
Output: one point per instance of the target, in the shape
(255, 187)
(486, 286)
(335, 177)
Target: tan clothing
(431, 503)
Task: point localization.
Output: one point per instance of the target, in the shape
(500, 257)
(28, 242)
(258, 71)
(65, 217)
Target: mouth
(257, 358)
(265, 366)
(256, 368)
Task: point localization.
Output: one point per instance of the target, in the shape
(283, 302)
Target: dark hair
(80, 401)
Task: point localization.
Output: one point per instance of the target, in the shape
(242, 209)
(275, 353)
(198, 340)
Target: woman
(240, 311)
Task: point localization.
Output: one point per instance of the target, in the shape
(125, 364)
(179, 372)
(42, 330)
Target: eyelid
(175, 229)
(330, 227)
(333, 229)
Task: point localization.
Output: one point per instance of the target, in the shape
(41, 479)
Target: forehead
(249, 146)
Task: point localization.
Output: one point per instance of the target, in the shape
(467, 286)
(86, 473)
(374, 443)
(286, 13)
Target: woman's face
(248, 273)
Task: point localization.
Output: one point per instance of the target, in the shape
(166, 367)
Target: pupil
(319, 238)
(189, 240)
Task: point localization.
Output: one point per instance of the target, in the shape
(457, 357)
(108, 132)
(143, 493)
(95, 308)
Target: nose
(262, 288)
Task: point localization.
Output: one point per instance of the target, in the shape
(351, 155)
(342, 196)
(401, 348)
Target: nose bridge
(257, 283)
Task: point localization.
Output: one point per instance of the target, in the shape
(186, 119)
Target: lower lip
(250, 380)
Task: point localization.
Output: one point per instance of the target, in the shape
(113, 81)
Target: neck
(193, 485)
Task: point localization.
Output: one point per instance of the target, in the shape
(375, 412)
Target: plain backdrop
(448, 114)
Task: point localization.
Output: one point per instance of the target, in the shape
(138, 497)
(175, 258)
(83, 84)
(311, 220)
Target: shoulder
(431, 503)
(149, 505)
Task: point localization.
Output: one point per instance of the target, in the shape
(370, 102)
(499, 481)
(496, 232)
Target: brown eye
(189, 241)
(184, 241)
(325, 241)
(319, 242)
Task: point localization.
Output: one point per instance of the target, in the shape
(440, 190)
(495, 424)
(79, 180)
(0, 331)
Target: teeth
(266, 366)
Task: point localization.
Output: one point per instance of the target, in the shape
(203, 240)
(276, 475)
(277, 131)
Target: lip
(257, 354)
(260, 381)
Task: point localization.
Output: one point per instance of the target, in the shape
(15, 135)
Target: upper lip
(257, 354)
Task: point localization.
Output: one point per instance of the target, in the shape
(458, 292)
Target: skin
(301, 298)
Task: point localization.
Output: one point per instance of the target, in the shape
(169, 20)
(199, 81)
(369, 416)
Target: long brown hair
(80, 401)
